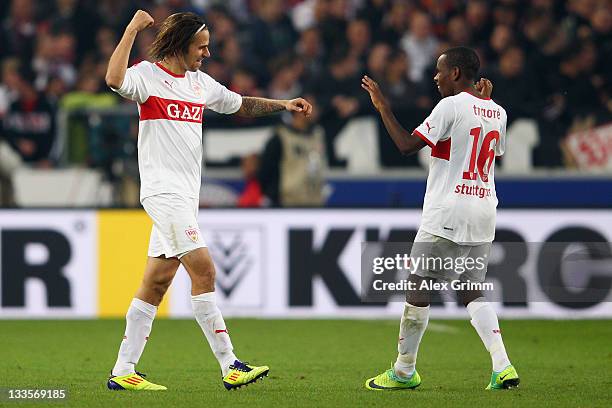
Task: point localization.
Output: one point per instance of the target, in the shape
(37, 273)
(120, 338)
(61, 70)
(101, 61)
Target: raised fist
(485, 87)
(141, 20)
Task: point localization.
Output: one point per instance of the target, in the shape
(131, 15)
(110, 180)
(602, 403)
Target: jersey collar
(476, 96)
(166, 70)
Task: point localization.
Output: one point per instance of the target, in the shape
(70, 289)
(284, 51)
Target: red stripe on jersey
(168, 71)
(170, 109)
(442, 149)
(426, 140)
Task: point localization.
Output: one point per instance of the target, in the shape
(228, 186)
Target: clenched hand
(485, 87)
(299, 105)
(141, 20)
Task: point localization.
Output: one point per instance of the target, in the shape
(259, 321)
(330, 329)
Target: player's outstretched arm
(404, 140)
(253, 107)
(117, 65)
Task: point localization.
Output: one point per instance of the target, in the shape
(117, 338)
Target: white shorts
(453, 256)
(175, 229)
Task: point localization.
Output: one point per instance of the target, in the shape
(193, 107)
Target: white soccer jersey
(465, 134)
(171, 110)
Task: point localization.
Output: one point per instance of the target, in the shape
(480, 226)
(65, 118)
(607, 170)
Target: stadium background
(73, 236)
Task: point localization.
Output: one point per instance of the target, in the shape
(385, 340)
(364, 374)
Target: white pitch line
(442, 328)
(435, 327)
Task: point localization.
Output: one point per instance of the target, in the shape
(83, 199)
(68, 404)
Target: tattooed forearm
(253, 107)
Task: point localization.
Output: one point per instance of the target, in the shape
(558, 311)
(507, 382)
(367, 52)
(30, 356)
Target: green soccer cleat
(390, 381)
(506, 379)
(243, 374)
(132, 382)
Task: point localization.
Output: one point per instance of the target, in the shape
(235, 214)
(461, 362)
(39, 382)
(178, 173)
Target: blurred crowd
(547, 59)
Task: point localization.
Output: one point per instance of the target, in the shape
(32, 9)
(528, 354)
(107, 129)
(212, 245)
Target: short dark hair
(175, 35)
(465, 59)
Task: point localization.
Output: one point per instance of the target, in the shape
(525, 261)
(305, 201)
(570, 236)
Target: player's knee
(417, 298)
(158, 286)
(205, 273)
(203, 278)
(161, 286)
(468, 296)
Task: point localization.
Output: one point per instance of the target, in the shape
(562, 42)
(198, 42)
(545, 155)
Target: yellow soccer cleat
(506, 379)
(243, 374)
(390, 381)
(132, 382)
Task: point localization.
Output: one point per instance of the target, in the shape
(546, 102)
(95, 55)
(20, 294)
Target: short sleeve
(500, 147)
(134, 84)
(219, 98)
(438, 124)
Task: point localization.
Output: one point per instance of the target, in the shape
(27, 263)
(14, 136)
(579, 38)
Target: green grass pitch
(314, 363)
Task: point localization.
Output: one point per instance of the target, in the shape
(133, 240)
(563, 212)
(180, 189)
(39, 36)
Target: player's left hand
(485, 87)
(299, 105)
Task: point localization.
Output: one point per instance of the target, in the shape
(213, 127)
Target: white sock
(413, 325)
(139, 321)
(211, 321)
(485, 322)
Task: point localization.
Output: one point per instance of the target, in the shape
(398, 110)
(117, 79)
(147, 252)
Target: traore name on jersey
(465, 134)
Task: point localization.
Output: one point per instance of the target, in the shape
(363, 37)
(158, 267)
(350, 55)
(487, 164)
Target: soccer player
(172, 94)
(465, 131)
